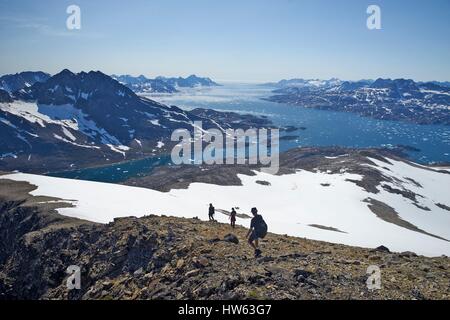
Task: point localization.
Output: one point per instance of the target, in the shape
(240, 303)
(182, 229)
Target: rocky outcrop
(159, 257)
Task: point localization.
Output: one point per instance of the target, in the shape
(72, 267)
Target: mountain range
(78, 119)
(388, 99)
(141, 84)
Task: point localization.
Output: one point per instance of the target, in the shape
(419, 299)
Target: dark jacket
(259, 225)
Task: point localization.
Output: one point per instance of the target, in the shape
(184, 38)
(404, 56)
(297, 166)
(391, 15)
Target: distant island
(142, 84)
(386, 99)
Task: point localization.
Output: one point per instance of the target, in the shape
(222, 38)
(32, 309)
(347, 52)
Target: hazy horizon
(222, 81)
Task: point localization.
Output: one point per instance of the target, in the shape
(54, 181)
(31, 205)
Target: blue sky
(245, 40)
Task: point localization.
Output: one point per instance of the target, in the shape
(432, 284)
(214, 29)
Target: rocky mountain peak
(77, 88)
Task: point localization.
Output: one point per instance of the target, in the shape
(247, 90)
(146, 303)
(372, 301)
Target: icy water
(323, 128)
(115, 173)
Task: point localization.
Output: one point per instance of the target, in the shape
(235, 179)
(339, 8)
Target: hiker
(258, 230)
(233, 218)
(211, 212)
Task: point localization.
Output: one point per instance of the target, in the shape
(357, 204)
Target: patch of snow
(138, 142)
(32, 134)
(68, 134)
(73, 143)
(54, 88)
(160, 144)
(8, 155)
(336, 157)
(8, 123)
(64, 115)
(118, 148)
(434, 92)
(21, 137)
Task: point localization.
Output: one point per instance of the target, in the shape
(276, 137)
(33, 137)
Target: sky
(233, 40)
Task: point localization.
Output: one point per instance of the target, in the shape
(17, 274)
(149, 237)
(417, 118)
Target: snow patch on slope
(66, 116)
(289, 204)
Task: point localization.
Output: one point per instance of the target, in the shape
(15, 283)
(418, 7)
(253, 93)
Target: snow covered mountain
(14, 82)
(141, 84)
(360, 199)
(305, 83)
(399, 99)
(83, 119)
(190, 82)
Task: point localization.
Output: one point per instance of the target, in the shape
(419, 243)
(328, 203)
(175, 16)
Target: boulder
(382, 249)
(231, 238)
(201, 262)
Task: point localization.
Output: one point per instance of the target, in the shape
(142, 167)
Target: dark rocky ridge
(174, 258)
(388, 214)
(4, 96)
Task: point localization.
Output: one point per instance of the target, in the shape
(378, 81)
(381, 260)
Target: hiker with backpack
(211, 212)
(233, 218)
(258, 230)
